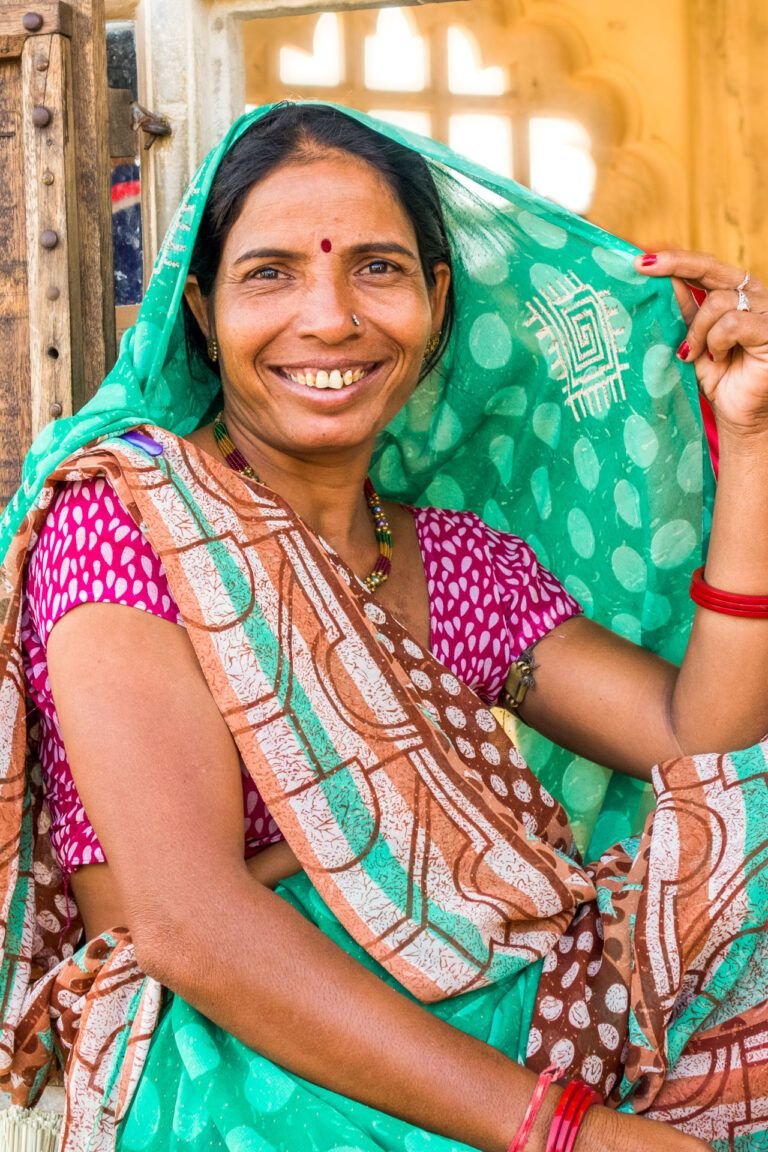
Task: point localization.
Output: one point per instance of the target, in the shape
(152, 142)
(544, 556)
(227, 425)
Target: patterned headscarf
(558, 412)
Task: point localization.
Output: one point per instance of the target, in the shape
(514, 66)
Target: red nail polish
(648, 259)
(683, 350)
(710, 355)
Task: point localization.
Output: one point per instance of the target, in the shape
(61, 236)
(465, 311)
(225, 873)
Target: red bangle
(520, 1140)
(575, 1102)
(729, 603)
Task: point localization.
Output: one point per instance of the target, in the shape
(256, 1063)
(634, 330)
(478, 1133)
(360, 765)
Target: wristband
(537, 1099)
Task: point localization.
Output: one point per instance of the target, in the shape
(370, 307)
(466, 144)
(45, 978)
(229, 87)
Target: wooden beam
(56, 293)
(94, 205)
(20, 21)
(53, 264)
(15, 423)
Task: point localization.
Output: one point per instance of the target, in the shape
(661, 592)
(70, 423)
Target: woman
(286, 627)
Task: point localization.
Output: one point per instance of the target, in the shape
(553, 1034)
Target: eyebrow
(385, 247)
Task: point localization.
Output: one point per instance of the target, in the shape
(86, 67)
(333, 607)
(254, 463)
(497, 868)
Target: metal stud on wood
(51, 209)
(56, 306)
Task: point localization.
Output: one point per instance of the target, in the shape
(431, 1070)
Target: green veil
(559, 412)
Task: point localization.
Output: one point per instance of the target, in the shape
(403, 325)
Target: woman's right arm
(159, 776)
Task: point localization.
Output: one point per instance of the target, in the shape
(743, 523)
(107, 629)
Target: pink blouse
(489, 599)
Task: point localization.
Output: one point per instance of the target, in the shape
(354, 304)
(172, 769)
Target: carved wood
(51, 198)
(56, 296)
(15, 421)
(53, 15)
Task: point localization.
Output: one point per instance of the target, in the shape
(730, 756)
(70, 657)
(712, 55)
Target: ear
(198, 305)
(438, 294)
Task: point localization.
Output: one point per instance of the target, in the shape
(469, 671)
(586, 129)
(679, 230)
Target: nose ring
(355, 320)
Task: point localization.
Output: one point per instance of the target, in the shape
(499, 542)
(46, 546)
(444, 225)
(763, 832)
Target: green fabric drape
(559, 413)
(201, 1088)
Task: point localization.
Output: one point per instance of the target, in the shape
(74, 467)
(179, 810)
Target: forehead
(337, 196)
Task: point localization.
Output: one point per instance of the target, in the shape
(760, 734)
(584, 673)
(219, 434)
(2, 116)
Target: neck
(326, 492)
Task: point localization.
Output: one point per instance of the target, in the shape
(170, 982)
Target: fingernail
(648, 259)
(683, 350)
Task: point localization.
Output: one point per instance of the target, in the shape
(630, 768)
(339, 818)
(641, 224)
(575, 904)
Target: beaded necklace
(238, 463)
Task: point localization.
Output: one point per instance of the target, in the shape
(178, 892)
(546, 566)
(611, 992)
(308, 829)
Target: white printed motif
(575, 328)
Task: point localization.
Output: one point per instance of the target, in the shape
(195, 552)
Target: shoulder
(446, 529)
(90, 549)
(87, 511)
(463, 553)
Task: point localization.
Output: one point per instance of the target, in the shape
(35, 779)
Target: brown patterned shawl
(417, 821)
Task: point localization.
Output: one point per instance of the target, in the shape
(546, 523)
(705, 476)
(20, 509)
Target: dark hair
(303, 133)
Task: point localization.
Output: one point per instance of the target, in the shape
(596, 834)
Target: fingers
(717, 312)
(706, 290)
(697, 268)
(748, 330)
(717, 327)
(686, 300)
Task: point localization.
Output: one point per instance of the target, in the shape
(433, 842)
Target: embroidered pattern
(578, 337)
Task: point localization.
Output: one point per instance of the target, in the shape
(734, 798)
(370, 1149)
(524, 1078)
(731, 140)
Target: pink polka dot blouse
(489, 599)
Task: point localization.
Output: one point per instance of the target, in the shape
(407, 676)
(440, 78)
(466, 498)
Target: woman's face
(315, 243)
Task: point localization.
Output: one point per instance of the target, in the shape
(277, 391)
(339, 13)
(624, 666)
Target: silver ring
(355, 320)
(743, 301)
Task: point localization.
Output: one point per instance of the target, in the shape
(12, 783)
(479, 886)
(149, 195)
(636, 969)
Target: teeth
(324, 379)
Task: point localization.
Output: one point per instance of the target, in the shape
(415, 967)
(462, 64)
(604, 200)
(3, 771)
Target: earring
(213, 350)
(432, 346)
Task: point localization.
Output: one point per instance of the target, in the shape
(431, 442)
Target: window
(424, 70)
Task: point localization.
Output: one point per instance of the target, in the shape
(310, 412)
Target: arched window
(427, 70)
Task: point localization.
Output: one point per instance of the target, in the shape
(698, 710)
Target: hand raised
(728, 346)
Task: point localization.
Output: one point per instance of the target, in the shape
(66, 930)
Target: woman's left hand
(728, 347)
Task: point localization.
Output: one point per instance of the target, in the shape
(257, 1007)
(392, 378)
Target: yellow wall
(692, 74)
(675, 91)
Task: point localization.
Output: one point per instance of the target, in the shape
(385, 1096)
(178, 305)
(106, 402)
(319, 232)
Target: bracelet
(520, 1140)
(519, 680)
(575, 1102)
(728, 603)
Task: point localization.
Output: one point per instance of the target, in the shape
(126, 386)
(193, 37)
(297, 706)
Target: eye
(267, 273)
(380, 267)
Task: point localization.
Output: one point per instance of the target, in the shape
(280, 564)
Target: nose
(327, 307)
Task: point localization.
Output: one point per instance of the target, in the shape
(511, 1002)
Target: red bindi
(326, 245)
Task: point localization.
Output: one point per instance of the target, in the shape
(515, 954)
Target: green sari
(202, 1089)
(561, 378)
(561, 374)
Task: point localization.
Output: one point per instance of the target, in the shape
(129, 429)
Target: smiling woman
(299, 376)
(353, 917)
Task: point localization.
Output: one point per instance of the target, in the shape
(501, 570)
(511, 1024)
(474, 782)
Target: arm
(621, 706)
(159, 776)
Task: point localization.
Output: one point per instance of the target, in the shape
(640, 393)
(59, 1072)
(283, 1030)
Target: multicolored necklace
(238, 463)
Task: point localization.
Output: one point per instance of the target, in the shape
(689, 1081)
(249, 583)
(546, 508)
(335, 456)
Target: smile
(322, 378)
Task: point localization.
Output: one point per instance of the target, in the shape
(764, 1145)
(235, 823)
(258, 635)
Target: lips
(334, 378)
